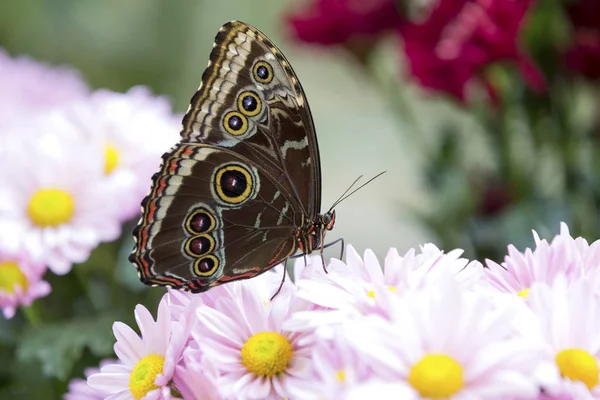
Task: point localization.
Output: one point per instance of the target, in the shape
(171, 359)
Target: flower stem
(32, 314)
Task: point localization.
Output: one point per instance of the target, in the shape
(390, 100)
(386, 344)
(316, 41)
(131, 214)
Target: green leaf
(125, 271)
(57, 347)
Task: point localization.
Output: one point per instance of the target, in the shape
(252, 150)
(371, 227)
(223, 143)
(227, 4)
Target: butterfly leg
(333, 243)
(281, 284)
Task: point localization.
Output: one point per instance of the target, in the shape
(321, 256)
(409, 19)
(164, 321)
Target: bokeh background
(477, 171)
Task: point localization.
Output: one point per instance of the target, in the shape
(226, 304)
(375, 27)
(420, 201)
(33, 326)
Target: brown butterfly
(241, 192)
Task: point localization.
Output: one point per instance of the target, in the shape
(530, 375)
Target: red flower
(337, 21)
(584, 54)
(460, 38)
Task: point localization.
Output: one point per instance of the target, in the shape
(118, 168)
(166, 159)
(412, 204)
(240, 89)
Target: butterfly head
(327, 220)
(311, 235)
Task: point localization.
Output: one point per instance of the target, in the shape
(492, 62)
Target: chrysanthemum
(195, 379)
(564, 256)
(569, 322)
(80, 390)
(148, 362)
(446, 342)
(20, 282)
(53, 203)
(336, 369)
(361, 287)
(29, 86)
(242, 337)
(134, 129)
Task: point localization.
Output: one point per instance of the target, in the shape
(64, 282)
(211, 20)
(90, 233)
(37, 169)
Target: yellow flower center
(578, 365)
(436, 376)
(267, 354)
(143, 375)
(371, 294)
(341, 376)
(393, 289)
(523, 293)
(11, 276)
(51, 207)
(111, 158)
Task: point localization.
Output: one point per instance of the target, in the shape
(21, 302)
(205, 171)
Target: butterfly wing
(211, 216)
(251, 102)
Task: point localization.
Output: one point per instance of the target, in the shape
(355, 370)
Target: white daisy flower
(134, 129)
(445, 342)
(569, 322)
(20, 282)
(148, 362)
(53, 203)
(242, 338)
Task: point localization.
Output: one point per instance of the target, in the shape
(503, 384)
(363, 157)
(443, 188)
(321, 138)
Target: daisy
(446, 342)
(412, 269)
(195, 379)
(564, 256)
(360, 286)
(243, 339)
(148, 362)
(53, 205)
(20, 282)
(134, 130)
(80, 390)
(29, 87)
(336, 370)
(569, 322)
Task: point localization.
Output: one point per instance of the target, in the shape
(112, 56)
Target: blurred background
(483, 113)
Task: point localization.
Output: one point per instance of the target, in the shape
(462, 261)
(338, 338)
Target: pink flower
(148, 362)
(459, 39)
(568, 320)
(195, 379)
(361, 287)
(80, 390)
(20, 282)
(336, 369)
(53, 203)
(243, 339)
(337, 21)
(445, 342)
(29, 86)
(563, 257)
(134, 129)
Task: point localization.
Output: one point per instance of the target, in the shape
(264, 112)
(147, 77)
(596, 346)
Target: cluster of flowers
(74, 165)
(426, 325)
(448, 44)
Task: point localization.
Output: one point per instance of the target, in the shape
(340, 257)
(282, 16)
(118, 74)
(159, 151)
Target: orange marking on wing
(143, 238)
(151, 210)
(173, 165)
(167, 280)
(187, 151)
(279, 257)
(248, 274)
(161, 184)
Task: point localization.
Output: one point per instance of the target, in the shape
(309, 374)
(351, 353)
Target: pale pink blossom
(30, 87)
(442, 326)
(243, 338)
(563, 256)
(148, 361)
(53, 205)
(20, 282)
(567, 318)
(80, 390)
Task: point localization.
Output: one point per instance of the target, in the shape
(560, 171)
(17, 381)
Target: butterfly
(241, 192)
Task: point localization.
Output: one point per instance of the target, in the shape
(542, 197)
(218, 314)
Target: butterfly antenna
(345, 195)
(346, 191)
